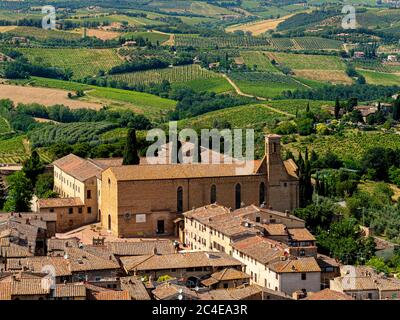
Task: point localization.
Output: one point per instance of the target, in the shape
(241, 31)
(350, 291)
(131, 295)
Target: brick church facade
(148, 200)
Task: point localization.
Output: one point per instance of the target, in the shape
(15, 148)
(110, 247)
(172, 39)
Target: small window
(258, 219)
(89, 209)
(225, 286)
(89, 194)
(303, 276)
(70, 210)
(79, 210)
(51, 209)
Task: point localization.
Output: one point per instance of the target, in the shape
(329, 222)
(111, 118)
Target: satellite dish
(180, 297)
(196, 289)
(65, 256)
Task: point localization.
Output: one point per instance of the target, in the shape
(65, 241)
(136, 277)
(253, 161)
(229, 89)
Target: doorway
(160, 227)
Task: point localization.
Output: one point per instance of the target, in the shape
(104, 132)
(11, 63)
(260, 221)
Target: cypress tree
(337, 108)
(131, 156)
(396, 109)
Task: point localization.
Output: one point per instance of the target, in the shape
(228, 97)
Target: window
(303, 276)
(213, 195)
(70, 210)
(51, 209)
(89, 209)
(89, 194)
(262, 193)
(225, 286)
(179, 200)
(258, 219)
(79, 210)
(238, 196)
(109, 222)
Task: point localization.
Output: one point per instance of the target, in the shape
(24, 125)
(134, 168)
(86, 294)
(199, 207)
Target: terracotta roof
(260, 249)
(228, 274)
(304, 264)
(5, 290)
(28, 286)
(135, 287)
(81, 260)
(61, 265)
(178, 171)
(170, 291)
(60, 202)
(61, 244)
(112, 295)
(15, 251)
(291, 168)
(179, 261)
(238, 293)
(69, 290)
(275, 229)
(301, 234)
(78, 168)
(141, 247)
(328, 294)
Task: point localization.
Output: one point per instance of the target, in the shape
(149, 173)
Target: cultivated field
(380, 78)
(82, 62)
(257, 59)
(175, 74)
(45, 96)
(331, 76)
(102, 34)
(259, 27)
(6, 28)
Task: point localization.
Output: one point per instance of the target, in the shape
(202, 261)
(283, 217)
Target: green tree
(33, 167)
(44, 186)
(337, 108)
(131, 156)
(19, 193)
(396, 109)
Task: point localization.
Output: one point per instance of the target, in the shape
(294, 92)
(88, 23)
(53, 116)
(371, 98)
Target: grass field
(147, 104)
(175, 74)
(82, 62)
(258, 59)
(313, 67)
(380, 78)
(150, 36)
(217, 85)
(258, 27)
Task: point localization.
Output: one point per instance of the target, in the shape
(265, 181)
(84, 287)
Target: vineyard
(220, 42)
(352, 145)
(306, 43)
(82, 62)
(175, 74)
(265, 84)
(12, 150)
(377, 66)
(69, 133)
(257, 59)
(379, 78)
(42, 34)
(239, 117)
(4, 126)
(307, 61)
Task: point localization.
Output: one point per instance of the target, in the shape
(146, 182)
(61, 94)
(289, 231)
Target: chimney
(155, 250)
(287, 213)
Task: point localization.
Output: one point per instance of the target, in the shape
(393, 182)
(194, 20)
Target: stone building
(148, 200)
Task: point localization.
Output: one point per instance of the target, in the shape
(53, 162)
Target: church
(148, 200)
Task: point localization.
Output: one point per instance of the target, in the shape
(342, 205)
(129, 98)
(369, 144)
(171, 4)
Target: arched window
(179, 200)
(213, 194)
(109, 222)
(262, 193)
(238, 196)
